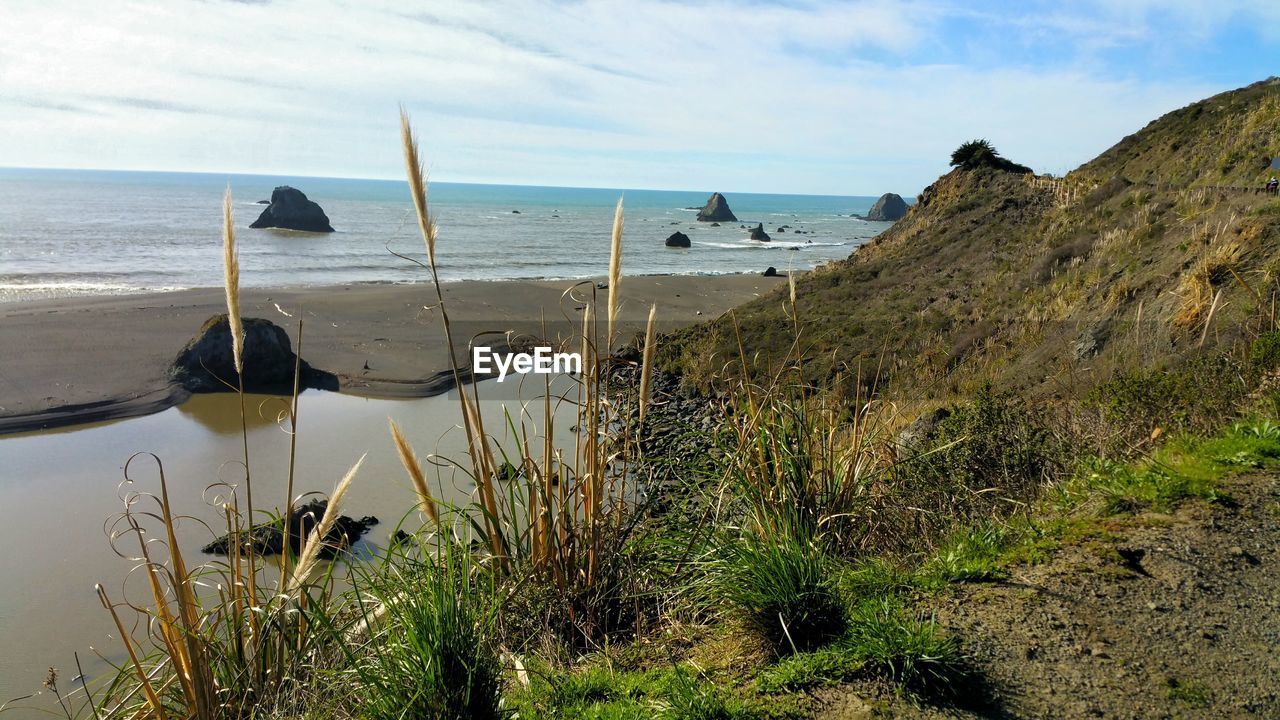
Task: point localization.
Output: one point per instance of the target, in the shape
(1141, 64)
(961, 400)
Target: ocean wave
(17, 292)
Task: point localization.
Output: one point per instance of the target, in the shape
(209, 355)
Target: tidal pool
(61, 489)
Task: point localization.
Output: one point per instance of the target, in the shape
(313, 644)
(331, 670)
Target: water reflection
(214, 413)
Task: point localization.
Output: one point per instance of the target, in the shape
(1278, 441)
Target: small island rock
(291, 210)
(758, 233)
(890, 207)
(678, 240)
(716, 210)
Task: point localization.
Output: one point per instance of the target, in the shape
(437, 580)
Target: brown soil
(1170, 617)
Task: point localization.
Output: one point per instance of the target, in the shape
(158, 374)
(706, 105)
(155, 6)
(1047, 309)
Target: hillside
(1040, 285)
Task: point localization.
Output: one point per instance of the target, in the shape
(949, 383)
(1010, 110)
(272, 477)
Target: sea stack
(890, 207)
(291, 210)
(678, 240)
(758, 233)
(716, 210)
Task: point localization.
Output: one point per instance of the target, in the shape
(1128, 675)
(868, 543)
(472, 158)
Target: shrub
(981, 153)
(1196, 396)
(982, 461)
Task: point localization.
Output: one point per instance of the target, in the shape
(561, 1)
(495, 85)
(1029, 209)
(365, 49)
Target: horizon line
(911, 196)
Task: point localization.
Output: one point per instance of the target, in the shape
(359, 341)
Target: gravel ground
(1173, 617)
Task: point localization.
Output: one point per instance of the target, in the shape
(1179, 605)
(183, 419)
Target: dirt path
(1169, 617)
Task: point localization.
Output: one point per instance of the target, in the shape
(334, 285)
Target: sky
(827, 97)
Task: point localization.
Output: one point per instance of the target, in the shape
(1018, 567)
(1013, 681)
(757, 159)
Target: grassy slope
(1034, 283)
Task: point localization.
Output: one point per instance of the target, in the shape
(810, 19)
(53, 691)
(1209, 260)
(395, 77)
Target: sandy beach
(84, 359)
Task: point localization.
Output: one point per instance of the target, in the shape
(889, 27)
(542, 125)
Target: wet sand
(75, 360)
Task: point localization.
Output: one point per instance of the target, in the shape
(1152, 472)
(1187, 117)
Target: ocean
(92, 232)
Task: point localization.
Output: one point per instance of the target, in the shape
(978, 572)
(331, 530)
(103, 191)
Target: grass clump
(904, 648)
(1191, 694)
(782, 589)
(883, 639)
(971, 555)
(430, 649)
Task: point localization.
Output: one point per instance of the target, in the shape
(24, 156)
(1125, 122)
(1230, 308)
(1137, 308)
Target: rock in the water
(206, 364)
(889, 207)
(267, 539)
(264, 202)
(758, 233)
(771, 272)
(716, 210)
(678, 240)
(715, 224)
(781, 230)
(291, 210)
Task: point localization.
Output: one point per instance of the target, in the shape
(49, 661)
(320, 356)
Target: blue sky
(808, 97)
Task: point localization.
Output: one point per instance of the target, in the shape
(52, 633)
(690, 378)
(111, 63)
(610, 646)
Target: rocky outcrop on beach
(678, 240)
(770, 271)
(206, 364)
(890, 207)
(291, 210)
(758, 233)
(716, 210)
(267, 539)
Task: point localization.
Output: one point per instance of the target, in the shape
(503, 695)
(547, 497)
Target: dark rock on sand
(267, 539)
(678, 240)
(890, 207)
(716, 210)
(771, 272)
(290, 209)
(758, 233)
(207, 361)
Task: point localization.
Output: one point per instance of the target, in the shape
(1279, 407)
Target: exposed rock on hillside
(291, 210)
(716, 210)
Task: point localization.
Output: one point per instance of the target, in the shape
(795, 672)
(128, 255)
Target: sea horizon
(136, 231)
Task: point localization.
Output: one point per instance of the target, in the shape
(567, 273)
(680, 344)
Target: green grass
(1191, 694)
(821, 668)
(598, 693)
(972, 555)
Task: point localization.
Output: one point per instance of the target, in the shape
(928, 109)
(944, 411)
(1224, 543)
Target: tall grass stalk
(552, 519)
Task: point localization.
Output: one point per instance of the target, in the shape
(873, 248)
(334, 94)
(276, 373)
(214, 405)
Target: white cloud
(817, 97)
